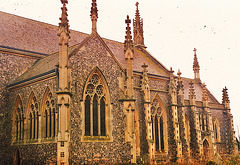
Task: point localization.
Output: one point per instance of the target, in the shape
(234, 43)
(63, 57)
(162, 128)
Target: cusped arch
(158, 105)
(103, 82)
(159, 125)
(46, 94)
(49, 115)
(32, 116)
(96, 98)
(32, 100)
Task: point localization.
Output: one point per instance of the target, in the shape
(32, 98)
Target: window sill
(96, 138)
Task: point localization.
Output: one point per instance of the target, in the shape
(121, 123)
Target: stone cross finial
(128, 38)
(195, 50)
(179, 73)
(128, 21)
(137, 5)
(171, 70)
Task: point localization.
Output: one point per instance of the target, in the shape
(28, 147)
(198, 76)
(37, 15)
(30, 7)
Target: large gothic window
(33, 117)
(19, 120)
(96, 107)
(158, 126)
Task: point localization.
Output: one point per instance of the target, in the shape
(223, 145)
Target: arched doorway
(17, 159)
(206, 149)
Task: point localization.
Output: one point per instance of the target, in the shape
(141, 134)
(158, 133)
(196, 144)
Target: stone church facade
(91, 100)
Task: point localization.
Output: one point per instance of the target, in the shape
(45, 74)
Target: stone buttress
(173, 106)
(129, 101)
(64, 89)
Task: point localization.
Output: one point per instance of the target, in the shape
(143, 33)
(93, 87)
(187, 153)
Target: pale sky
(172, 29)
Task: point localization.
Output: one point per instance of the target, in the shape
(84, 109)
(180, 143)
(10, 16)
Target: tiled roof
(198, 91)
(22, 33)
(31, 35)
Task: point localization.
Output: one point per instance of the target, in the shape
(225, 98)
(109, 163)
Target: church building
(67, 97)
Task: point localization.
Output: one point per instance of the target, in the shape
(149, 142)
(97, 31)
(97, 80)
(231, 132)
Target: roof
(27, 34)
(198, 88)
(30, 35)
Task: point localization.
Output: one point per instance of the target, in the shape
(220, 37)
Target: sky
(172, 29)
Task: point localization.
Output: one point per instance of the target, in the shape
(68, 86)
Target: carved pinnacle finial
(144, 66)
(63, 25)
(192, 95)
(94, 15)
(128, 38)
(63, 18)
(179, 73)
(138, 28)
(225, 98)
(204, 93)
(180, 84)
(64, 1)
(171, 70)
(195, 63)
(196, 66)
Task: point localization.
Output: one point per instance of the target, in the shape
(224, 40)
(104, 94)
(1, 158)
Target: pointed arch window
(216, 130)
(49, 117)
(19, 120)
(96, 108)
(33, 110)
(158, 127)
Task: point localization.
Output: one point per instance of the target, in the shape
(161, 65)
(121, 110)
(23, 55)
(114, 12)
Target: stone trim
(21, 52)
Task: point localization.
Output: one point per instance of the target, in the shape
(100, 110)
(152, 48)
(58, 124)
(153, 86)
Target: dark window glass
(102, 117)
(156, 134)
(87, 116)
(95, 116)
(162, 133)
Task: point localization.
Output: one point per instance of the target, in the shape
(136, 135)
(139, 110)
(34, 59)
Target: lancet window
(19, 120)
(49, 121)
(216, 130)
(96, 107)
(203, 120)
(33, 119)
(158, 129)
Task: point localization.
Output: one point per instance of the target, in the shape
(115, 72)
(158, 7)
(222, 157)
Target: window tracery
(158, 129)
(95, 107)
(33, 117)
(19, 120)
(49, 116)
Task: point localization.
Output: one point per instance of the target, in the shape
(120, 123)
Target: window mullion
(91, 117)
(99, 119)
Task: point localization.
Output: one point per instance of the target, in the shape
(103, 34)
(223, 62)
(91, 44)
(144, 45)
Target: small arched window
(49, 115)
(18, 119)
(33, 117)
(96, 108)
(216, 130)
